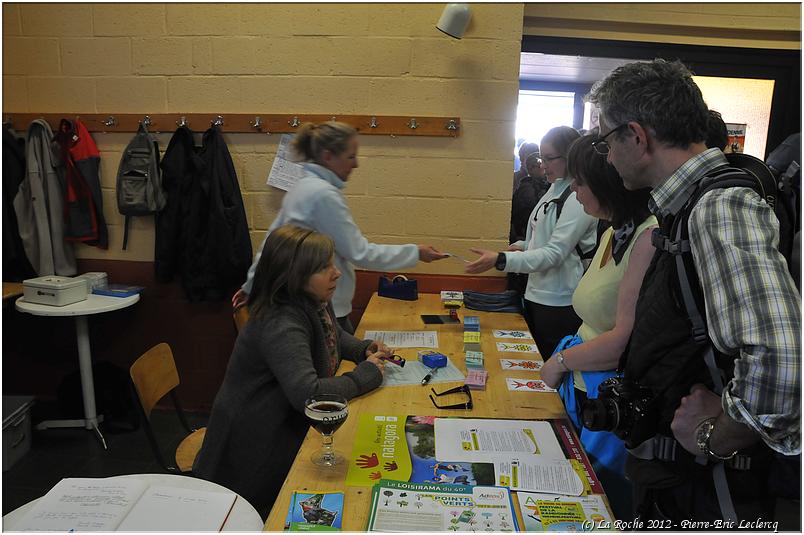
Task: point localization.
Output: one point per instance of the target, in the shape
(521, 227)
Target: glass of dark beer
(326, 413)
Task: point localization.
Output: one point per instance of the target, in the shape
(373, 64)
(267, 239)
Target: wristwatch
(501, 261)
(703, 434)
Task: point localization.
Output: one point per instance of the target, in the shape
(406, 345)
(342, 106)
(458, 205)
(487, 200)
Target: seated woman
(289, 350)
(605, 300)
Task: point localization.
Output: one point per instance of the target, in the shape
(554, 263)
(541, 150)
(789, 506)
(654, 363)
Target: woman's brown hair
(313, 139)
(291, 256)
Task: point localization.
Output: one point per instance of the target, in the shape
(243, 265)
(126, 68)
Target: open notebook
(126, 504)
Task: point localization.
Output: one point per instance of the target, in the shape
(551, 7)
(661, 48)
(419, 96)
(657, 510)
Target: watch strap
(501, 261)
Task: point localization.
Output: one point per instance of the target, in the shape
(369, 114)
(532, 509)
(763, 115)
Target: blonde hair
(313, 139)
(291, 256)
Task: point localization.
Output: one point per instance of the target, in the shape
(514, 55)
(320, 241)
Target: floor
(60, 453)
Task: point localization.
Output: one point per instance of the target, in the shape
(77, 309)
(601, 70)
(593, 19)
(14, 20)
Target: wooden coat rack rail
(397, 125)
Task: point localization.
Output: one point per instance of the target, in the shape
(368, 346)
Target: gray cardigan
(257, 422)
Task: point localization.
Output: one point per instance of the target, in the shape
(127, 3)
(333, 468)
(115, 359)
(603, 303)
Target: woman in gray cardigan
(288, 351)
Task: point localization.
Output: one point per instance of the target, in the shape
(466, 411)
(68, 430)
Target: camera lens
(600, 415)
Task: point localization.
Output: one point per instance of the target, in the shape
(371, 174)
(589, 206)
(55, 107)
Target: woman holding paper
(329, 151)
(557, 227)
(605, 300)
(287, 352)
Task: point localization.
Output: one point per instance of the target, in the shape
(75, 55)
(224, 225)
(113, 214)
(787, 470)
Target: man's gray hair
(660, 95)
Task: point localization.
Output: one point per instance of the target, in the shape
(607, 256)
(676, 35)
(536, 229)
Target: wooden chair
(154, 375)
(240, 317)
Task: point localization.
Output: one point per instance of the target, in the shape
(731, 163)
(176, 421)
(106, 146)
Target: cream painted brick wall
(293, 58)
(12, 23)
(128, 19)
(31, 55)
(59, 19)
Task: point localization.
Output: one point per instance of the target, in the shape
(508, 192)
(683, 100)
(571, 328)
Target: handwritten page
(83, 504)
(173, 509)
(397, 339)
(540, 475)
(486, 440)
(284, 172)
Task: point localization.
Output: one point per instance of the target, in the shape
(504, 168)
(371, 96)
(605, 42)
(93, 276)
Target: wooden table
(384, 314)
(11, 290)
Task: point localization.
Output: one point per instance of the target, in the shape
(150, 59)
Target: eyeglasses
(601, 146)
(548, 159)
(456, 390)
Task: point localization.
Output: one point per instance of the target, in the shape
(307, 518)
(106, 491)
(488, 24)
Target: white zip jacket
(316, 203)
(549, 248)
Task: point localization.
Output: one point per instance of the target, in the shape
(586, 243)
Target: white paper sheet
(83, 504)
(284, 172)
(486, 440)
(173, 509)
(517, 347)
(527, 385)
(548, 512)
(519, 335)
(397, 339)
(541, 475)
(414, 371)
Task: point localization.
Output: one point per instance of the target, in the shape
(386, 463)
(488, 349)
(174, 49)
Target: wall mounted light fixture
(454, 20)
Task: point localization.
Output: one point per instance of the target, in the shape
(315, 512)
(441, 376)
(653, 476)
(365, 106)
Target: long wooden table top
(384, 314)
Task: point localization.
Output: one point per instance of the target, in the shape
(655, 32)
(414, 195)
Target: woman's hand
(484, 263)
(552, 373)
(428, 253)
(239, 299)
(378, 347)
(374, 358)
(513, 247)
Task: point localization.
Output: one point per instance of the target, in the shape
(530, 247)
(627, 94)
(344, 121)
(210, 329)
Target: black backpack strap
(125, 231)
(559, 202)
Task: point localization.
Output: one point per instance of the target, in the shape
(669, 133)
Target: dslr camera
(623, 407)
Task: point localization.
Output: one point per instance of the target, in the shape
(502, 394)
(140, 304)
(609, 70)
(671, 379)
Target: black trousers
(549, 325)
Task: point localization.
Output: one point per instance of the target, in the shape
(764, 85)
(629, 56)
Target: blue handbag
(400, 287)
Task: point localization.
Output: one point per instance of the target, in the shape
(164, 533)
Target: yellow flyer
(379, 451)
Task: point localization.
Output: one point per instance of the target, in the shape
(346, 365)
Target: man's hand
(239, 299)
(428, 253)
(552, 373)
(484, 263)
(698, 406)
(513, 247)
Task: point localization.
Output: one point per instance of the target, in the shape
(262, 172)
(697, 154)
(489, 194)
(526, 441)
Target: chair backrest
(240, 317)
(154, 375)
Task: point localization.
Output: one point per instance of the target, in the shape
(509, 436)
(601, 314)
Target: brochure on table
(548, 512)
(414, 371)
(403, 448)
(400, 506)
(315, 511)
(117, 504)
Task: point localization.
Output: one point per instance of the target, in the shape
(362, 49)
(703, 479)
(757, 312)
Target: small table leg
(85, 366)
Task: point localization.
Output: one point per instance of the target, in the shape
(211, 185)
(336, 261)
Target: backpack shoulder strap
(560, 200)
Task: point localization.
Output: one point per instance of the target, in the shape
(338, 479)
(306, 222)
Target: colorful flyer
(487, 440)
(549, 512)
(517, 347)
(527, 385)
(539, 474)
(517, 364)
(315, 511)
(399, 506)
(471, 337)
(520, 335)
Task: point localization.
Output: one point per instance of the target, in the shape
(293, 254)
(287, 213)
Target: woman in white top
(550, 251)
(316, 202)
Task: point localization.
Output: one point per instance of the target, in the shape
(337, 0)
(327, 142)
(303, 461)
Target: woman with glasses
(287, 352)
(605, 300)
(558, 231)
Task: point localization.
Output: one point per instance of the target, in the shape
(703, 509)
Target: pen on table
(429, 376)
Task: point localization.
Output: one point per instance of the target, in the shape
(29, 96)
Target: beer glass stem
(329, 452)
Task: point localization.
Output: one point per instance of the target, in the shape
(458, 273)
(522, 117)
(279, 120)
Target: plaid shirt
(752, 306)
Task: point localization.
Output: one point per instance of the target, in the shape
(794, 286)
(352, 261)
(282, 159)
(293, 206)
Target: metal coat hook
(146, 121)
(295, 122)
(218, 121)
(373, 123)
(110, 121)
(452, 124)
(182, 121)
(256, 123)
(412, 124)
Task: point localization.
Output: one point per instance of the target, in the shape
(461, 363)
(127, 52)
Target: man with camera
(709, 412)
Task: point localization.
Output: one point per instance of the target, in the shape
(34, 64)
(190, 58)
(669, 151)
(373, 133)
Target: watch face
(702, 435)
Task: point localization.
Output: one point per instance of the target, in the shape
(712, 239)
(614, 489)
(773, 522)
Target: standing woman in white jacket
(329, 151)
(548, 252)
